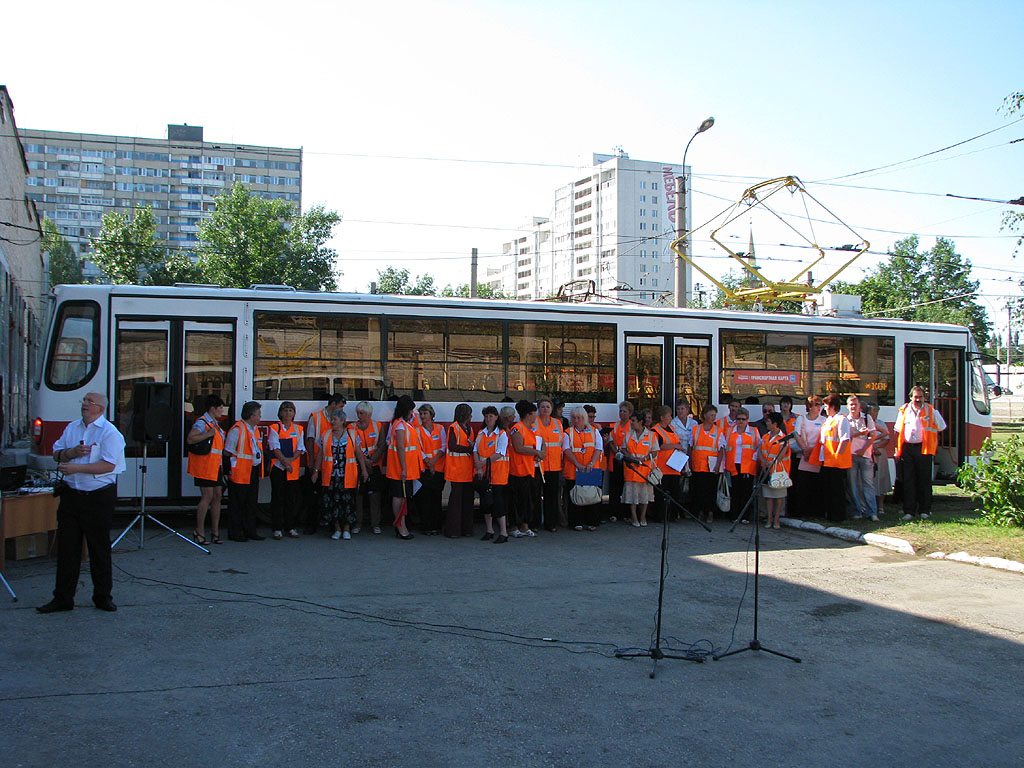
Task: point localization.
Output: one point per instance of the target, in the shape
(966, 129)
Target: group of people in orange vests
(524, 462)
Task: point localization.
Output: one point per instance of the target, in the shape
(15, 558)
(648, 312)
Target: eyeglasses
(87, 401)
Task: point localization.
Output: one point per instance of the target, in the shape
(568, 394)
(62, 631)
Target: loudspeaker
(152, 416)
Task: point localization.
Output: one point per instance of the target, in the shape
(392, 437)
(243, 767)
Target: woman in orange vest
(490, 459)
(208, 469)
(428, 499)
(741, 461)
(244, 448)
(580, 453)
(836, 458)
(369, 494)
(637, 457)
(774, 444)
(524, 482)
(338, 475)
(285, 443)
(405, 462)
(707, 462)
(550, 428)
(805, 495)
(458, 471)
(614, 441)
(668, 443)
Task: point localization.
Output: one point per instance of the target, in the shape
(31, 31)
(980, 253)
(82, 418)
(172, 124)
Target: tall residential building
(612, 224)
(22, 281)
(77, 177)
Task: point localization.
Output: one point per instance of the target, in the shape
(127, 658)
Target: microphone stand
(655, 653)
(755, 644)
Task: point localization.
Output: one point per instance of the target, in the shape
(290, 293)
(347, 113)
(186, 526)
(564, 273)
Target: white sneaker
(517, 534)
(612, 518)
(643, 523)
(924, 516)
(336, 535)
(635, 524)
(905, 518)
(874, 518)
(376, 530)
(346, 535)
(356, 530)
(529, 533)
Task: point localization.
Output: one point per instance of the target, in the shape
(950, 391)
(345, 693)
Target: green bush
(997, 478)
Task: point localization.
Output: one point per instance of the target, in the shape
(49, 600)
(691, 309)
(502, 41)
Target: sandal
(216, 538)
(198, 538)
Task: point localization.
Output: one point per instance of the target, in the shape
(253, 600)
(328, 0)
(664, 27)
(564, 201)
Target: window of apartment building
(643, 211)
(643, 185)
(654, 199)
(643, 225)
(643, 253)
(654, 227)
(654, 282)
(643, 281)
(524, 273)
(643, 198)
(654, 212)
(654, 185)
(582, 259)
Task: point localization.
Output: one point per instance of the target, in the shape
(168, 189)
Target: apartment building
(611, 224)
(77, 177)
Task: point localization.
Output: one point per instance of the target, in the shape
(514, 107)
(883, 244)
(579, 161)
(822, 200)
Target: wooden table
(23, 515)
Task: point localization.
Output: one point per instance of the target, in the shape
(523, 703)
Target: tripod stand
(654, 652)
(14, 597)
(755, 644)
(142, 516)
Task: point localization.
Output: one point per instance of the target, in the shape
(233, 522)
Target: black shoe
(487, 536)
(257, 538)
(501, 539)
(407, 536)
(551, 529)
(105, 605)
(55, 607)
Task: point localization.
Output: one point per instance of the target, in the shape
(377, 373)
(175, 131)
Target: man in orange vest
(243, 448)
(917, 439)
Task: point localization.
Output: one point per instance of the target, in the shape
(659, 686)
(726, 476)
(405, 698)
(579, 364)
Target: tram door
(663, 370)
(941, 373)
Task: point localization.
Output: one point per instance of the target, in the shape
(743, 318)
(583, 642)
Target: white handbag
(780, 479)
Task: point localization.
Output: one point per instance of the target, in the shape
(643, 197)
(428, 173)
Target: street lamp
(681, 289)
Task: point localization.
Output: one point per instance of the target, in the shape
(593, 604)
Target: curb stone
(901, 545)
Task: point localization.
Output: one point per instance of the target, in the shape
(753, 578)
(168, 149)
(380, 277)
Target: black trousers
(742, 488)
(587, 516)
(833, 493)
(805, 496)
(615, 485)
(311, 495)
(704, 493)
(458, 520)
(552, 499)
(85, 514)
(670, 485)
(428, 501)
(916, 471)
(242, 507)
(499, 508)
(524, 493)
(285, 500)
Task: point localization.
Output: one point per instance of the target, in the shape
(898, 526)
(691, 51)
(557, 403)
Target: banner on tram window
(766, 378)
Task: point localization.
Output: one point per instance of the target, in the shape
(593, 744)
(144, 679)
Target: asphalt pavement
(438, 652)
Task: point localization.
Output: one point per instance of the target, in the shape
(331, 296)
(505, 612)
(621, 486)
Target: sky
(436, 127)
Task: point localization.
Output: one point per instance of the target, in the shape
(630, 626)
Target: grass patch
(954, 526)
(1002, 432)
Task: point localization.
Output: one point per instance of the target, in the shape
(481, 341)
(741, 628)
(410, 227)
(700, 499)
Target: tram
(272, 343)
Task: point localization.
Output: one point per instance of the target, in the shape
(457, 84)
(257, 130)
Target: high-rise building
(77, 177)
(612, 224)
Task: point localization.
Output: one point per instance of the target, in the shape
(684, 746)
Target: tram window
(74, 353)
(307, 357)
(978, 391)
(571, 361)
(759, 364)
(141, 357)
(855, 365)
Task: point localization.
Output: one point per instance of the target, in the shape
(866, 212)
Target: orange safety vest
(432, 444)
(641, 448)
(929, 429)
(318, 425)
(295, 433)
(705, 446)
(486, 448)
(327, 462)
(208, 467)
(521, 464)
(413, 460)
(552, 434)
(584, 446)
(790, 424)
(245, 456)
(725, 426)
(458, 467)
(748, 465)
(368, 438)
(773, 445)
(665, 436)
(836, 454)
(618, 436)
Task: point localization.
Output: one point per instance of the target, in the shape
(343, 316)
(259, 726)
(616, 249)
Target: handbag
(655, 475)
(585, 495)
(202, 448)
(724, 498)
(780, 479)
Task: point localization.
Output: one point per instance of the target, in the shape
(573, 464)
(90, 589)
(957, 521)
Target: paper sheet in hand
(677, 460)
(540, 443)
(712, 463)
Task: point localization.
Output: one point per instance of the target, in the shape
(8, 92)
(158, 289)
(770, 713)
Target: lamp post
(681, 288)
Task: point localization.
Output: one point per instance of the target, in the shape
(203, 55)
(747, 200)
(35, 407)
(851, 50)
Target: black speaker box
(152, 416)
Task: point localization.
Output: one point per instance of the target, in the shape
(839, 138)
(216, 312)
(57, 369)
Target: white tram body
(272, 344)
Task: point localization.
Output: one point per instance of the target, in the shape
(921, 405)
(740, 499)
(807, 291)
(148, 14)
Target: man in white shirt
(90, 453)
(917, 438)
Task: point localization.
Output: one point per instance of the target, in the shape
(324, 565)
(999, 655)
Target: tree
(928, 286)
(65, 268)
(397, 281)
(483, 291)
(126, 248)
(1013, 221)
(249, 239)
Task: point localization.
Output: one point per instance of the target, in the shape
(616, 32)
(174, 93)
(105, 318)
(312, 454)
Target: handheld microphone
(790, 436)
(627, 459)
